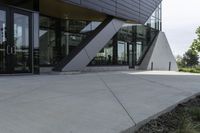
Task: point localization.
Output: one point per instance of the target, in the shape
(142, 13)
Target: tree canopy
(196, 43)
(190, 58)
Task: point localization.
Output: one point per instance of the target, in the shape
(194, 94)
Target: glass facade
(15, 41)
(3, 41)
(155, 21)
(127, 47)
(59, 37)
(131, 43)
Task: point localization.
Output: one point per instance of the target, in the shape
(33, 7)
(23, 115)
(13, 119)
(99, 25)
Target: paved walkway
(108, 102)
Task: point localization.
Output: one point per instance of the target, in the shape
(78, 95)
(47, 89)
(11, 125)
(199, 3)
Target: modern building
(77, 35)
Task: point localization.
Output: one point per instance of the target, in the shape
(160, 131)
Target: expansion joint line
(161, 84)
(113, 94)
(118, 100)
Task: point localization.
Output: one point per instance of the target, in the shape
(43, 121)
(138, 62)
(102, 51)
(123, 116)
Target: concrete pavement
(107, 102)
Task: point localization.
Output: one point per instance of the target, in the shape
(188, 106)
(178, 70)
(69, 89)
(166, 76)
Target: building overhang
(131, 10)
(61, 9)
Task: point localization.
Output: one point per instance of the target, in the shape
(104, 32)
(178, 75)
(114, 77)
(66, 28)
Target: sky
(181, 18)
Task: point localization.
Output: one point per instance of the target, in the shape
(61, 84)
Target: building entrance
(15, 41)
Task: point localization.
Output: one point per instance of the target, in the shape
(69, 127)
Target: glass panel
(138, 50)
(130, 55)
(51, 51)
(140, 36)
(47, 22)
(78, 26)
(2, 41)
(122, 53)
(155, 20)
(70, 41)
(126, 33)
(75, 25)
(59, 37)
(90, 27)
(47, 47)
(105, 56)
(22, 60)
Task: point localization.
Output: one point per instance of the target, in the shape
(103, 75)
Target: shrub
(190, 69)
(186, 126)
(195, 113)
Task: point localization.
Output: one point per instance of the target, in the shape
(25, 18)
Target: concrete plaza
(106, 102)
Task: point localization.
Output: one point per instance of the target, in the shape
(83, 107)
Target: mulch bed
(169, 122)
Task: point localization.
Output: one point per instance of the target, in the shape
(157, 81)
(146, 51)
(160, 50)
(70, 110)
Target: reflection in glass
(90, 27)
(131, 56)
(47, 22)
(122, 52)
(105, 56)
(47, 47)
(78, 26)
(138, 50)
(2, 41)
(74, 26)
(60, 37)
(69, 42)
(138, 37)
(155, 21)
(21, 43)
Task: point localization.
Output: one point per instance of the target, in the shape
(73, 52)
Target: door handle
(13, 50)
(7, 50)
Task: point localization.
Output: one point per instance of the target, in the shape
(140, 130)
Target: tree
(179, 61)
(190, 58)
(196, 43)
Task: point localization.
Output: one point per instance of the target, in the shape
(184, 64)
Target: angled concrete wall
(83, 58)
(159, 56)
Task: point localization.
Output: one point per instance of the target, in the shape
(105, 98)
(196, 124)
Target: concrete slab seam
(118, 100)
(158, 83)
(113, 94)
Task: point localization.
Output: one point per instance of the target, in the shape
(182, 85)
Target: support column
(35, 47)
(115, 49)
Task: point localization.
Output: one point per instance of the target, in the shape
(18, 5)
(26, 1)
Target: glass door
(131, 55)
(15, 41)
(138, 50)
(4, 46)
(21, 42)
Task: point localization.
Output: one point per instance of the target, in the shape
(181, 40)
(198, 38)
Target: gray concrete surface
(160, 54)
(89, 103)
